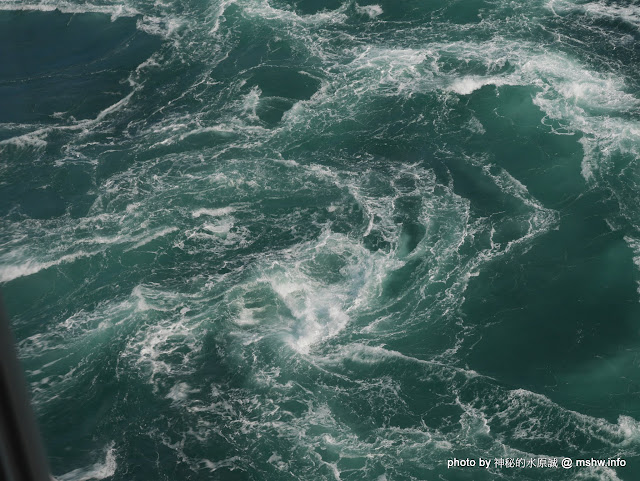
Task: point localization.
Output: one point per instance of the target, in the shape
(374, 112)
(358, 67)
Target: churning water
(324, 239)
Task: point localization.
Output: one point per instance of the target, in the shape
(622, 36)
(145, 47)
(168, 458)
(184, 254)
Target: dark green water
(324, 240)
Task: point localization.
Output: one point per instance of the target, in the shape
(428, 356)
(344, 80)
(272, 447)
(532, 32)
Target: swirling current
(324, 239)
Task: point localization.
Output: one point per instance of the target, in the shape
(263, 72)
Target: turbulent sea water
(324, 239)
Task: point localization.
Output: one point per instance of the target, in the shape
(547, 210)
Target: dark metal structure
(22, 456)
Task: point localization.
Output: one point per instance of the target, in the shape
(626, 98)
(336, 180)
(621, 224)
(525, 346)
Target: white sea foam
(221, 211)
(250, 103)
(151, 350)
(475, 126)
(219, 14)
(37, 138)
(372, 11)
(114, 11)
(572, 96)
(160, 26)
(99, 470)
(629, 13)
(585, 100)
(221, 228)
(397, 69)
(225, 463)
(32, 139)
(319, 310)
(29, 267)
(467, 85)
(180, 392)
(153, 236)
(525, 411)
(372, 355)
(264, 10)
(222, 130)
(246, 317)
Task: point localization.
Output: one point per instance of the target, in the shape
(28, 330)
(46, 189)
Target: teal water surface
(324, 239)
